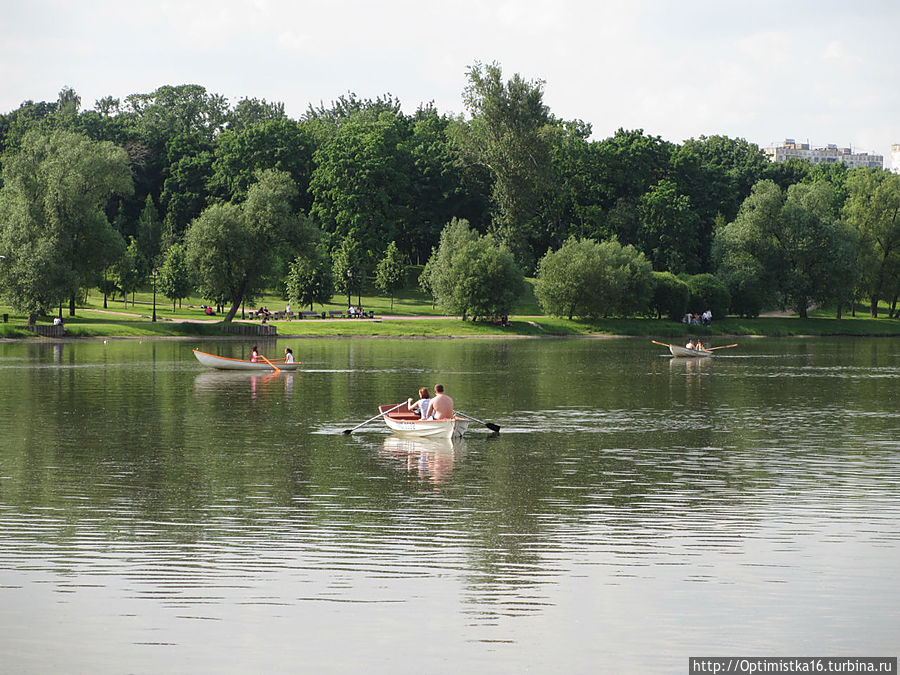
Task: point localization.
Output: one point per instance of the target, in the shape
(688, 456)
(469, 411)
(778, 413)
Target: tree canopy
(54, 231)
(367, 169)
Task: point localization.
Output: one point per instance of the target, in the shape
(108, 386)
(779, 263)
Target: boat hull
(402, 421)
(688, 353)
(226, 363)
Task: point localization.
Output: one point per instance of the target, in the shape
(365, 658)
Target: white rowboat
(226, 363)
(691, 353)
(403, 421)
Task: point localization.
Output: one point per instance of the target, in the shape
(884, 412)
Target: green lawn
(133, 319)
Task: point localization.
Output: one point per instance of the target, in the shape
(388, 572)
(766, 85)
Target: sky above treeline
(818, 71)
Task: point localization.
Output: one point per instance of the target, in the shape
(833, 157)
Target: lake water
(634, 510)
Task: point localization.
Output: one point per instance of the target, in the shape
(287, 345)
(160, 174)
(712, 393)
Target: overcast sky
(820, 70)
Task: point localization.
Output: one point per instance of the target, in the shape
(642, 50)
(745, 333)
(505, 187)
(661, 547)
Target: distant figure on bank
(423, 405)
(441, 404)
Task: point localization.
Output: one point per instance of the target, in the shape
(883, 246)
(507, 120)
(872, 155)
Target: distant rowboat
(691, 353)
(226, 363)
(675, 350)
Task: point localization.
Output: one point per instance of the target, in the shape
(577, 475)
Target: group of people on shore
(356, 312)
(697, 319)
(438, 408)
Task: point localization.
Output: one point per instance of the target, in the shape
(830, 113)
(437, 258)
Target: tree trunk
(873, 309)
(231, 312)
(72, 305)
(839, 310)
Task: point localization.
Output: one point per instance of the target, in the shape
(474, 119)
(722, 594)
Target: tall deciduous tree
(360, 185)
(669, 232)
(235, 248)
(484, 280)
(348, 266)
(310, 279)
(509, 133)
(435, 278)
(390, 273)
(175, 274)
(54, 231)
(277, 143)
(790, 244)
(873, 210)
(128, 270)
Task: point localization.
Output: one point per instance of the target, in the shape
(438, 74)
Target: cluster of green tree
(231, 200)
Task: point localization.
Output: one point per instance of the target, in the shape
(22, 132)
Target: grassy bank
(84, 326)
(412, 315)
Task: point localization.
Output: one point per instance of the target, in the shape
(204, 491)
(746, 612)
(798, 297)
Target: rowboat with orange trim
(227, 363)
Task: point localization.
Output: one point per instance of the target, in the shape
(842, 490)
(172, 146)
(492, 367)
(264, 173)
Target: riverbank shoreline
(430, 327)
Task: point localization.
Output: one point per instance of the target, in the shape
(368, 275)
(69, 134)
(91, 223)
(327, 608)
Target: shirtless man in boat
(441, 404)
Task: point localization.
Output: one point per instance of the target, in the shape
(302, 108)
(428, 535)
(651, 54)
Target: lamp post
(153, 274)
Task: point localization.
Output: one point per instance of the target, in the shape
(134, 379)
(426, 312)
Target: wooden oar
(660, 343)
(277, 369)
(347, 432)
(709, 349)
(489, 425)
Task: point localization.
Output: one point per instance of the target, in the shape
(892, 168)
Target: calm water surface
(634, 511)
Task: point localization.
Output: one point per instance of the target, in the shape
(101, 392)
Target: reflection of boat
(397, 443)
(403, 421)
(431, 458)
(691, 353)
(221, 380)
(226, 363)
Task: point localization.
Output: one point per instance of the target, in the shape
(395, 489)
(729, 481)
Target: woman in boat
(423, 405)
(288, 355)
(699, 345)
(254, 355)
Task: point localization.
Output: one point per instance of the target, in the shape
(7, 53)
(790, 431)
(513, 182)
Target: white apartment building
(830, 153)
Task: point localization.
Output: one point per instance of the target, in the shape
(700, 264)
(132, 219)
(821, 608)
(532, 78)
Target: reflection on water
(428, 458)
(633, 511)
(236, 380)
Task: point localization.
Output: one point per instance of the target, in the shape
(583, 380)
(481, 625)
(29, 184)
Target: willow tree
(791, 244)
(54, 231)
(236, 248)
(873, 210)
